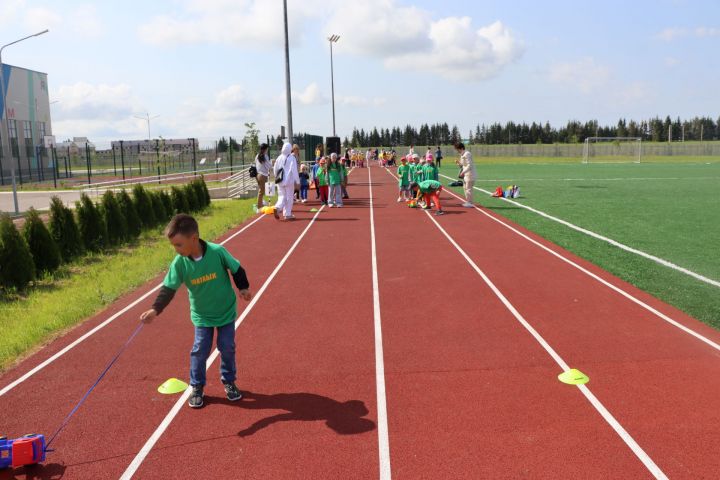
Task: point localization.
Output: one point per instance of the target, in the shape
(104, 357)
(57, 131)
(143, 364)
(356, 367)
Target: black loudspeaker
(333, 145)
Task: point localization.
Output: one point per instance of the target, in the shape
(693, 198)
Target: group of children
(329, 176)
(418, 181)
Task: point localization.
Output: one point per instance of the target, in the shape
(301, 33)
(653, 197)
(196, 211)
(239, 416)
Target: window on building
(12, 127)
(41, 129)
(27, 135)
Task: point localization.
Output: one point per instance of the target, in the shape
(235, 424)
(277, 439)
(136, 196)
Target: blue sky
(208, 66)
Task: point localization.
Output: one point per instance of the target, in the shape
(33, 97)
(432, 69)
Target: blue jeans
(336, 194)
(303, 191)
(201, 351)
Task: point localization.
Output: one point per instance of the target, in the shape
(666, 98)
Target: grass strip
(85, 287)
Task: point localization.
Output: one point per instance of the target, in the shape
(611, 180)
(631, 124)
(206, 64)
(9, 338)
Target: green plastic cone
(313, 209)
(172, 386)
(573, 377)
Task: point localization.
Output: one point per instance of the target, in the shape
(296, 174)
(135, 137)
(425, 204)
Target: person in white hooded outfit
(286, 162)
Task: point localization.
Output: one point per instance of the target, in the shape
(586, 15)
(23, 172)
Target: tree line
(654, 130)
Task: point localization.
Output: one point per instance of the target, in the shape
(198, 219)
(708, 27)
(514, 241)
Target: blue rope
(82, 400)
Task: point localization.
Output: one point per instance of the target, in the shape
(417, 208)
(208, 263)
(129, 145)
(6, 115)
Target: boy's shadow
(47, 471)
(345, 418)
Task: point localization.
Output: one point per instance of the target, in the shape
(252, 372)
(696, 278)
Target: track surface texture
(448, 369)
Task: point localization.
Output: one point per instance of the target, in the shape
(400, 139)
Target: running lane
(661, 383)
(306, 360)
(124, 409)
(470, 393)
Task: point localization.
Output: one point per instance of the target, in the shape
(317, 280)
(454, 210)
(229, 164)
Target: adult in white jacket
(467, 173)
(286, 187)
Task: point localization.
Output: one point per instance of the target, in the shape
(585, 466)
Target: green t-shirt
(418, 174)
(403, 171)
(430, 172)
(411, 171)
(335, 174)
(322, 177)
(429, 186)
(212, 300)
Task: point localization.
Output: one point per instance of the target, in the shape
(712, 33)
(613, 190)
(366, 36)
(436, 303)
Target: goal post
(612, 150)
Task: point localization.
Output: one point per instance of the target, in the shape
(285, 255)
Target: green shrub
(93, 229)
(17, 268)
(143, 205)
(167, 203)
(179, 200)
(127, 207)
(158, 207)
(117, 229)
(205, 190)
(44, 250)
(192, 199)
(64, 230)
(199, 193)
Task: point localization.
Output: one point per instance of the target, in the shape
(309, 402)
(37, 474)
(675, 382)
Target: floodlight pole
(332, 39)
(7, 120)
(147, 118)
(288, 99)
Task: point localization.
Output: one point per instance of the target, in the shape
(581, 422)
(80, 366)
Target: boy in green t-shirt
(430, 189)
(202, 267)
(403, 173)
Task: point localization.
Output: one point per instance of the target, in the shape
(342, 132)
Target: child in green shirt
(403, 173)
(430, 189)
(203, 268)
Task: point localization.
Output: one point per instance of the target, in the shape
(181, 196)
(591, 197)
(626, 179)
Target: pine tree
(44, 249)
(93, 229)
(117, 227)
(167, 203)
(158, 207)
(143, 206)
(17, 268)
(132, 219)
(64, 230)
(179, 200)
(193, 201)
(206, 192)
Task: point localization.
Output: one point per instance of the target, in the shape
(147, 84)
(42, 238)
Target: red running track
(470, 393)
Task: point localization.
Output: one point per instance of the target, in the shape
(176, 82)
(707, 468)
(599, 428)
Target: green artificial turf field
(669, 210)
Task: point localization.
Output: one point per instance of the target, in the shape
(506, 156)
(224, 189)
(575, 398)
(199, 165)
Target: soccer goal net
(612, 150)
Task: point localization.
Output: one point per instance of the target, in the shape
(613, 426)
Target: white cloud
(403, 37)
(460, 52)
(40, 18)
(671, 62)
(10, 10)
(585, 75)
(86, 22)
(223, 22)
(671, 33)
(703, 32)
(311, 96)
(357, 101)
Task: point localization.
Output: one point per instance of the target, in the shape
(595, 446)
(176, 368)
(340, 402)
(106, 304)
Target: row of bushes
(117, 220)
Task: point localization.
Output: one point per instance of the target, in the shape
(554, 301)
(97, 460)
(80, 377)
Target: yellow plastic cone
(268, 210)
(172, 386)
(573, 377)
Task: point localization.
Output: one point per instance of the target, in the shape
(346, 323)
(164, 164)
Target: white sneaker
(400, 199)
(339, 206)
(468, 205)
(331, 205)
(303, 200)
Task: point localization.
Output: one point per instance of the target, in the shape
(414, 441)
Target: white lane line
(624, 435)
(74, 344)
(617, 289)
(145, 450)
(612, 242)
(383, 438)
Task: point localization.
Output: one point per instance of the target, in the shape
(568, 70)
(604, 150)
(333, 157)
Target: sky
(206, 67)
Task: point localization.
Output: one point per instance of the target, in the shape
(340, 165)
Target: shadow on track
(345, 418)
(48, 471)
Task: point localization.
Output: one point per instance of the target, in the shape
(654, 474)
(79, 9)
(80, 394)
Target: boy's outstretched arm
(163, 299)
(242, 284)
